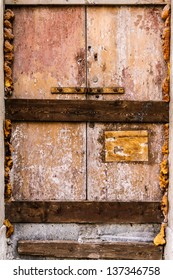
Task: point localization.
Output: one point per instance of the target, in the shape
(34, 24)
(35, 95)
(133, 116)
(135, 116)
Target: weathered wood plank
(86, 110)
(83, 212)
(70, 250)
(86, 2)
(54, 57)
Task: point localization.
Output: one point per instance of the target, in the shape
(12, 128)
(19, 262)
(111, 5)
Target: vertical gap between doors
(86, 96)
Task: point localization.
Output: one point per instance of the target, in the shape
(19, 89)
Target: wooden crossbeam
(75, 250)
(50, 110)
(83, 212)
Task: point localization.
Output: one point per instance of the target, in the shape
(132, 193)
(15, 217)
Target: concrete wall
(80, 233)
(2, 228)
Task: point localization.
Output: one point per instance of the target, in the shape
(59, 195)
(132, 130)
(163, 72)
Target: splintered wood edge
(100, 250)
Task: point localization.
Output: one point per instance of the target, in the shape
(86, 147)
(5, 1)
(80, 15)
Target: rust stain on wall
(8, 158)
(9, 228)
(164, 166)
(160, 238)
(166, 50)
(8, 51)
(164, 183)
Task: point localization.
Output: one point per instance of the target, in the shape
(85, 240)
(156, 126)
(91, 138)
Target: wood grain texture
(86, 110)
(71, 250)
(83, 212)
(86, 2)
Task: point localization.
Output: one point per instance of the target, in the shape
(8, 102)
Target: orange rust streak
(8, 51)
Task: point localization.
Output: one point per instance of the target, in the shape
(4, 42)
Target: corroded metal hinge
(87, 90)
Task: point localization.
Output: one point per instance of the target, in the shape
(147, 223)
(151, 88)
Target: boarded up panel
(126, 145)
(49, 49)
(69, 249)
(125, 49)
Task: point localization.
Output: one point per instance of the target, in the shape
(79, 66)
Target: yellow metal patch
(126, 145)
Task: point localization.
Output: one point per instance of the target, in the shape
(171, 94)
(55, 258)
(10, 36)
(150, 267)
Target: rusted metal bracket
(87, 90)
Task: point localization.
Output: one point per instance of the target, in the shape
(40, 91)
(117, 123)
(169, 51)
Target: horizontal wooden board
(86, 2)
(87, 110)
(70, 250)
(83, 212)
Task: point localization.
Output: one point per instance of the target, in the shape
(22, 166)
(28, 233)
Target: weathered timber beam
(86, 2)
(75, 250)
(83, 212)
(86, 111)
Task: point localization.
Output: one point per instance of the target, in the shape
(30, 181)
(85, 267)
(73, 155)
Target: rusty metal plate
(96, 90)
(56, 90)
(126, 145)
(104, 90)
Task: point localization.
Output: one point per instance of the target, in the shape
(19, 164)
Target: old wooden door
(108, 159)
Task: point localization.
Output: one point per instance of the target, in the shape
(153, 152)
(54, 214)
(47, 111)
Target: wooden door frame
(168, 252)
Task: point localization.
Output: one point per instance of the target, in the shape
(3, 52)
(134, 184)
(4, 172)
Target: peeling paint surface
(127, 41)
(123, 181)
(49, 50)
(66, 161)
(127, 51)
(49, 162)
(126, 146)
